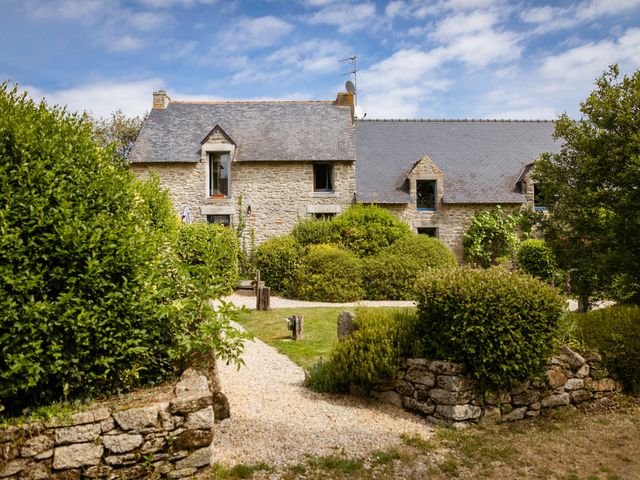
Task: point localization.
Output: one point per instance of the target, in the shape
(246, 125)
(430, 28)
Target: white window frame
(219, 148)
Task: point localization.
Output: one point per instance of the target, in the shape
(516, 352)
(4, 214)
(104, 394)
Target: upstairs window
(426, 195)
(219, 173)
(539, 199)
(322, 177)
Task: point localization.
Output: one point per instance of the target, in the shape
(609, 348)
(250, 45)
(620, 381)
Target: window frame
(211, 219)
(433, 229)
(328, 177)
(212, 156)
(435, 195)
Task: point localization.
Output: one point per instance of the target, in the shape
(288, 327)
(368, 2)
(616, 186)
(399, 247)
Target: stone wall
(279, 193)
(170, 439)
(440, 391)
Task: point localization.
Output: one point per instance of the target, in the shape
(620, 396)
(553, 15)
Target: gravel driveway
(275, 420)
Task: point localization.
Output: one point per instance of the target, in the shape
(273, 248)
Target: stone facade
(440, 391)
(279, 193)
(169, 440)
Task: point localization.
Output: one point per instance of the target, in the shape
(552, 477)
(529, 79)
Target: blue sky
(417, 59)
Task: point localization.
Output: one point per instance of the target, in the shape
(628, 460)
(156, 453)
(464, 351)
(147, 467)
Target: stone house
(276, 162)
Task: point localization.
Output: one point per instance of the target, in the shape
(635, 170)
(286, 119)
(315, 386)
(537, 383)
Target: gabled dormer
(218, 150)
(426, 185)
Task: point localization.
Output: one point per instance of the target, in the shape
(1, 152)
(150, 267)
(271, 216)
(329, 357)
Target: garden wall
(166, 439)
(440, 391)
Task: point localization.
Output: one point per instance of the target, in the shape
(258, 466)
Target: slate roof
(262, 131)
(481, 160)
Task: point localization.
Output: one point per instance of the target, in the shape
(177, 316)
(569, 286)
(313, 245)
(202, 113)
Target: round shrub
(79, 262)
(615, 333)
(278, 260)
(329, 274)
(501, 325)
(214, 247)
(367, 229)
(536, 258)
(390, 277)
(315, 231)
(427, 251)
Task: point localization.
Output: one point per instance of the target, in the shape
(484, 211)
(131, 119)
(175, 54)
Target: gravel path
(248, 299)
(276, 420)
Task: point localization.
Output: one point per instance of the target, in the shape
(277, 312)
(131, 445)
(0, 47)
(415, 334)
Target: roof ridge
(207, 102)
(453, 120)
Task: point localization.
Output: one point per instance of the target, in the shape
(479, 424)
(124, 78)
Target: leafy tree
(120, 131)
(594, 186)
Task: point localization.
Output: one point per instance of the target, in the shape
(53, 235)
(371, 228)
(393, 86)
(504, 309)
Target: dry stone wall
(440, 391)
(169, 440)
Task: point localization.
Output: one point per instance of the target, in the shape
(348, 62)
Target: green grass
(240, 471)
(320, 335)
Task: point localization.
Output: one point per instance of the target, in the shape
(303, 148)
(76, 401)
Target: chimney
(160, 99)
(345, 99)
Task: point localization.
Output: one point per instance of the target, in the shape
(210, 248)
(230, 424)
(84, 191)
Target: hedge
(501, 325)
(278, 260)
(536, 258)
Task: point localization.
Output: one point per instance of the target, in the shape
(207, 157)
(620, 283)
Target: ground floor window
(220, 219)
(324, 216)
(429, 231)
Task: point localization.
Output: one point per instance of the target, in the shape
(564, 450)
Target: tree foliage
(594, 190)
(492, 235)
(118, 131)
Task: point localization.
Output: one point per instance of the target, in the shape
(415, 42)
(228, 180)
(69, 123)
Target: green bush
(79, 263)
(212, 247)
(367, 229)
(536, 258)
(158, 208)
(392, 273)
(371, 353)
(500, 325)
(315, 232)
(491, 235)
(278, 260)
(329, 274)
(615, 333)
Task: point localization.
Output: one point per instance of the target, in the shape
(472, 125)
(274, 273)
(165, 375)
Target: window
(220, 219)
(324, 216)
(539, 203)
(430, 231)
(219, 169)
(426, 194)
(322, 181)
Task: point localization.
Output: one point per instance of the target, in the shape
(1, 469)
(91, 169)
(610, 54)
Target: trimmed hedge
(392, 273)
(501, 325)
(79, 263)
(329, 274)
(367, 229)
(536, 258)
(278, 260)
(214, 247)
(615, 333)
(314, 231)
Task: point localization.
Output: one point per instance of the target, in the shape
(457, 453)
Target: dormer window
(426, 195)
(219, 173)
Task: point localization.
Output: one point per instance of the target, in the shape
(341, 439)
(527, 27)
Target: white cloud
(102, 98)
(147, 21)
(176, 50)
(346, 17)
(395, 8)
(464, 23)
(314, 56)
(484, 48)
(248, 33)
(582, 64)
(68, 9)
(600, 8)
(174, 3)
(124, 43)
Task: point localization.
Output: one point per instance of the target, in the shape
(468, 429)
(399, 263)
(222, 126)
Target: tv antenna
(352, 86)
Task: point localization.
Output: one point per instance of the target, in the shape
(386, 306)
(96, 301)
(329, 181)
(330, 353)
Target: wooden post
(257, 286)
(298, 330)
(264, 298)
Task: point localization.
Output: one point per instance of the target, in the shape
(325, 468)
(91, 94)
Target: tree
(594, 191)
(491, 235)
(120, 131)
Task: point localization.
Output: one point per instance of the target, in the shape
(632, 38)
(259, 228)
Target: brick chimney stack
(160, 99)
(346, 99)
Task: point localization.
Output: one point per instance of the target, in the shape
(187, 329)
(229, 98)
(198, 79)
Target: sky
(416, 59)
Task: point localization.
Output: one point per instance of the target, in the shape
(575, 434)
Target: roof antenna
(352, 87)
